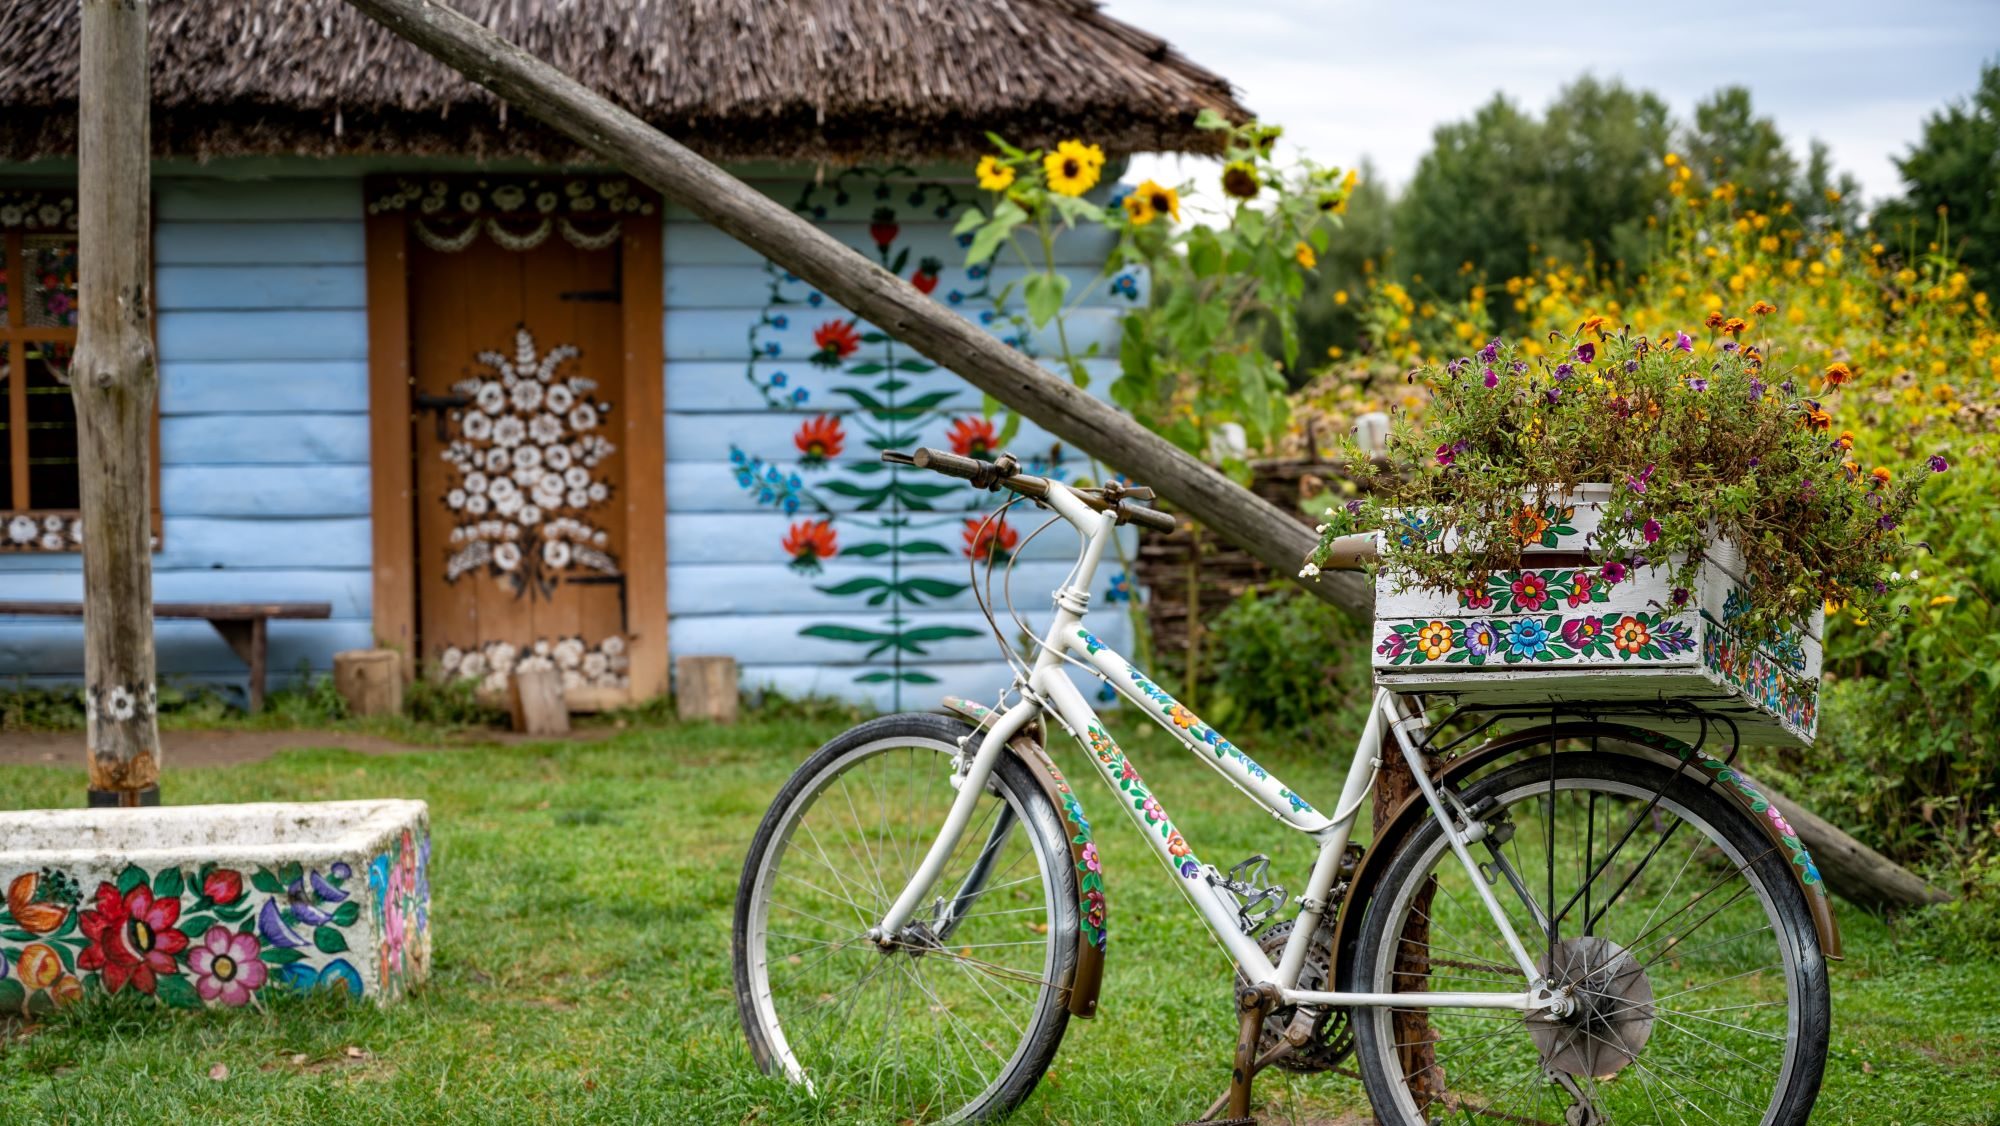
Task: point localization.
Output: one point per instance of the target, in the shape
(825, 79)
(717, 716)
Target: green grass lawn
(582, 907)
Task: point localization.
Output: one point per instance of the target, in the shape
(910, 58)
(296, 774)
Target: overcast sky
(1354, 78)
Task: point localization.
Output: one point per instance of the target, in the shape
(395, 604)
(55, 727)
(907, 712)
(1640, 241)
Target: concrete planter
(213, 905)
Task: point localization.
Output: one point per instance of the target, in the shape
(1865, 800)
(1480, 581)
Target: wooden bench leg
(247, 639)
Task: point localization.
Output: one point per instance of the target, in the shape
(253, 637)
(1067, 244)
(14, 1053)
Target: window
(38, 474)
(39, 490)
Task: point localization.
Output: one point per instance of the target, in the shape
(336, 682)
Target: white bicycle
(1572, 919)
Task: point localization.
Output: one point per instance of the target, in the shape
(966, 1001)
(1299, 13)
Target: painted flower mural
(525, 451)
(213, 935)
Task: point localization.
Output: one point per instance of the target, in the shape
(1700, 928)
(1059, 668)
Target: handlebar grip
(951, 465)
(1147, 517)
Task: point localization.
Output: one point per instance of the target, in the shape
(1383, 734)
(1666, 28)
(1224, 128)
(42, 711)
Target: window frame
(15, 336)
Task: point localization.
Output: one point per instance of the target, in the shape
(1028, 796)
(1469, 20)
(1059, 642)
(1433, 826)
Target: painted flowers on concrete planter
(211, 935)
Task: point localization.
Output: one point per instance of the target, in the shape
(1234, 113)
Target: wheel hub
(1609, 1013)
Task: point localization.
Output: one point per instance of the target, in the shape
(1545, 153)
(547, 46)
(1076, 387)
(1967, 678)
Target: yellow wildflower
(1303, 253)
(1340, 297)
(994, 175)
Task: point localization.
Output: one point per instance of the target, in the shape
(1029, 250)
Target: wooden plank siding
(263, 423)
(265, 329)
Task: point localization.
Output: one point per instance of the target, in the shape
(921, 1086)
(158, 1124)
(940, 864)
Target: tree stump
(536, 700)
(705, 688)
(370, 680)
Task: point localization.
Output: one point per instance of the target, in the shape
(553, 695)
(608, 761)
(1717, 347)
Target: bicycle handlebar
(990, 475)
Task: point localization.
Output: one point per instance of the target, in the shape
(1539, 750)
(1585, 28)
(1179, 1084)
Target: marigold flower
(1879, 476)
(1763, 309)
(1714, 320)
(1734, 326)
(1593, 324)
(995, 175)
(1816, 418)
(1846, 440)
(1239, 178)
(1303, 253)
(1837, 374)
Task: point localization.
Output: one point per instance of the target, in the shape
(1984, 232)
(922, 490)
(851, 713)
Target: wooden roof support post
(865, 288)
(112, 379)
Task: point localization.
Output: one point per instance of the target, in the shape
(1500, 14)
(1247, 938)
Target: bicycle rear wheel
(959, 1018)
(1701, 993)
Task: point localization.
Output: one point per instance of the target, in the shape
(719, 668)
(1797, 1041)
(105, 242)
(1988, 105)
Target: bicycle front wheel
(1655, 903)
(958, 1018)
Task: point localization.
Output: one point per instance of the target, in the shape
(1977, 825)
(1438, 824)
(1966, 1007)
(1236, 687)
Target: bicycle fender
(1092, 912)
(1665, 749)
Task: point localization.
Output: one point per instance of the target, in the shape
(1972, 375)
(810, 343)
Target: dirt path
(232, 748)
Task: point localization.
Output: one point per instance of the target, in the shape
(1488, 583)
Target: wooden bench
(241, 624)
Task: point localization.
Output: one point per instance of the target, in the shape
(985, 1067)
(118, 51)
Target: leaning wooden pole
(883, 299)
(864, 288)
(112, 380)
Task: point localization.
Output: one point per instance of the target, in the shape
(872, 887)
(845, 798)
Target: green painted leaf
(133, 876)
(842, 633)
(196, 926)
(854, 586)
(178, 991)
(13, 996)
(265, 881)
(168, 884)
(329, 940)
(18, 936)
(867, 367)
(281, 956)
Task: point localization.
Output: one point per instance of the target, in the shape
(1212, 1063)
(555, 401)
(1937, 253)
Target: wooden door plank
(645, 465)
(394, 579)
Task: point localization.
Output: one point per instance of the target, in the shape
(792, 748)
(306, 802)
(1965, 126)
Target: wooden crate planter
(1555, 631)
(213, 905)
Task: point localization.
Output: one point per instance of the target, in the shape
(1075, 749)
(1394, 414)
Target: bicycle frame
(1047, 690)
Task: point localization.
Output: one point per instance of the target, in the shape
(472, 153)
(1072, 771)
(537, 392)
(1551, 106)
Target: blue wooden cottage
(500, 407)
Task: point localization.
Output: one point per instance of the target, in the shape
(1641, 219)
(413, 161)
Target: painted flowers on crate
(401, 885)
(582, 665)
(190, 937)
(1530, 592)
(1638, 636)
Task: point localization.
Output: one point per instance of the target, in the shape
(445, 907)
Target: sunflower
(1303, 252)
(1073, 168)
(1239, 178)
(994, 175)
(1158, 199)
(1138, 210)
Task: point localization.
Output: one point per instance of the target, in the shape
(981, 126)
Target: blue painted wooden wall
(264, 447)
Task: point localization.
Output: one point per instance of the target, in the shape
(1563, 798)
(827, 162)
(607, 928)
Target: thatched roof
(737, 79)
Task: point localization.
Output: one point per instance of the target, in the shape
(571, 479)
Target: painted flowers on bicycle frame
(1639, 636)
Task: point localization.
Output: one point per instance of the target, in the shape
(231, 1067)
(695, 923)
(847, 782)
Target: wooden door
(517, 375)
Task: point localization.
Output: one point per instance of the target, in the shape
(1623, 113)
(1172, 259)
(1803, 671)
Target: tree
(1729, 144)
(1951, 182)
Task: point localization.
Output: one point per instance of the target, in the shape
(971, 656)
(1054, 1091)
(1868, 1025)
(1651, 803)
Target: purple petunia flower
(1491, 352)
(1631, 367)
(1698, 383)
(1680, 596)
(1683, 342)
(1518, 367)
(1613, 573)
(1638, 484)
(1729, 346)
(1886, 522)
(1586, 352)
(1445, 455)
(1564, 371)
(1756, 390)
(1651, 531)
(1939, 464)
(1553, 394)
(1492, 378)
(1457, 366)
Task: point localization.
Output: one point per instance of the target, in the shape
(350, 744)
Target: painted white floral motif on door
(581, 664)
(524, 451)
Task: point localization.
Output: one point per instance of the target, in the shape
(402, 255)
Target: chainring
(1333, 1036)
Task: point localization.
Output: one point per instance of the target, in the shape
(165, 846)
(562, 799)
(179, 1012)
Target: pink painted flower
(1090, 857)
(1580, 632)
(226, 966)
(1580, 588)
(1153, 810)
(1472, 598)
(1778, 819)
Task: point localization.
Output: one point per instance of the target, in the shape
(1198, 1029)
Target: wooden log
(113, 382)
(370, 680)
(706, 688)
(865, 288)
(535, 698)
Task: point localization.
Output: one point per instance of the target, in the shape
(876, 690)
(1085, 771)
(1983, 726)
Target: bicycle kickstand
(1252, 1004)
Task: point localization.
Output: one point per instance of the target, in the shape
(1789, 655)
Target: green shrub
(1285, 661)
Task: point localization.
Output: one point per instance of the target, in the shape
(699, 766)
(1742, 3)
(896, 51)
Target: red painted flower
(223, 886)
(1530, 591)
(972, 437)
(810, 541)
(882, 227)
(926, 277)
(818, 440)
(836, 340)
(132, 937)
(1579, 591)
(1472, 598)
(991, 540)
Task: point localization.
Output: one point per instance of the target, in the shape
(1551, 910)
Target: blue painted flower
(781, 321)
(778, 378)
(799, 395)
(815, 298)
(1528, 638)
(1121, 588)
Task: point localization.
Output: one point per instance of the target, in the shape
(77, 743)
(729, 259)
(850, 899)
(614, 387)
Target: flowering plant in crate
(1671, 445)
